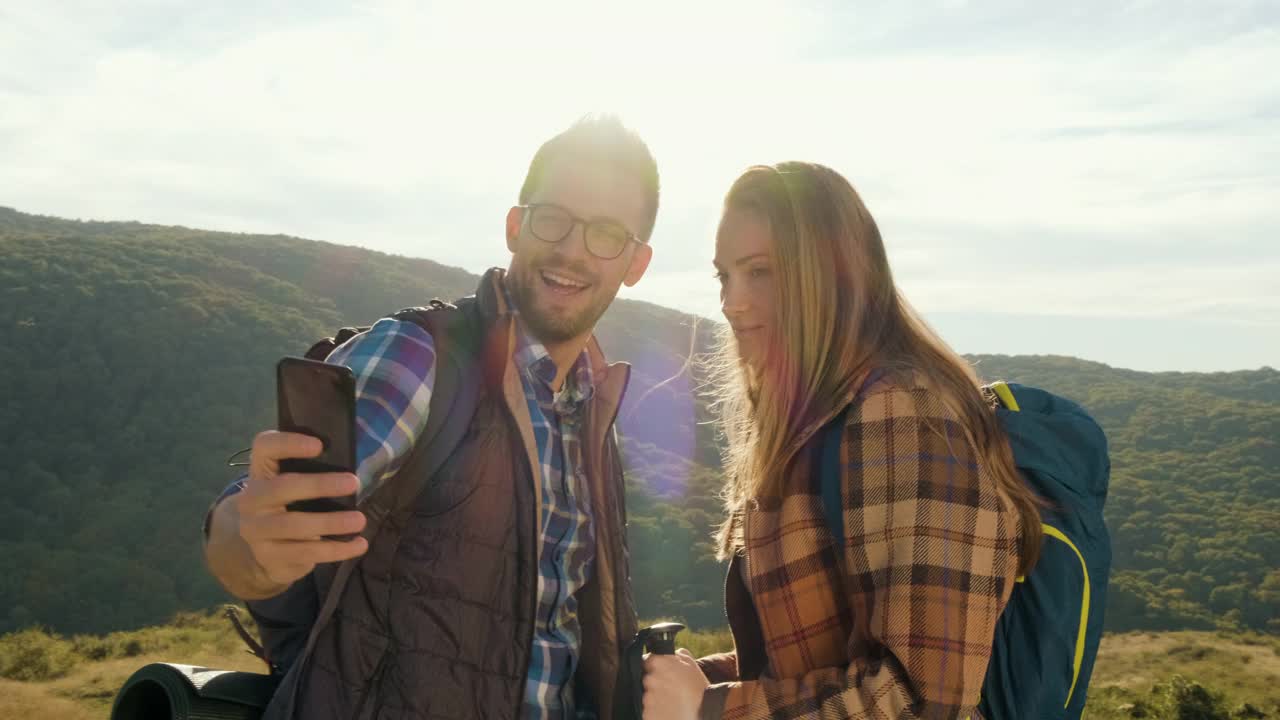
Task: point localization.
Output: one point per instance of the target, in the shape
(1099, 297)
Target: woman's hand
(673, 686)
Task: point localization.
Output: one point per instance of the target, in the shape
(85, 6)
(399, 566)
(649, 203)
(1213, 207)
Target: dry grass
(94, 685)
(33, 700)
(103, 663)
(1246, 668)
(1138, 659)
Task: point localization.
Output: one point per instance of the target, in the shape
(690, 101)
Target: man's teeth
(562, 280)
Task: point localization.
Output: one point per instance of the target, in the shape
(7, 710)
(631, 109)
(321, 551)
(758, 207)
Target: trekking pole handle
(662, 638)
(657, 639)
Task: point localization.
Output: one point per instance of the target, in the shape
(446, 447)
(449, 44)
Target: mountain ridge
(140, 357)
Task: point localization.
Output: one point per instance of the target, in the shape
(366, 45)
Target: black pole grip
(658, 639)
(662, 638)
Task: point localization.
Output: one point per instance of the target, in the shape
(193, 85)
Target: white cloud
(1116, 160)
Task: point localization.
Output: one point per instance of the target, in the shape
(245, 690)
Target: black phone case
(329, 392)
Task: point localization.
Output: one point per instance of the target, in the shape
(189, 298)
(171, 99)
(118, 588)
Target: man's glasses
(606, 239)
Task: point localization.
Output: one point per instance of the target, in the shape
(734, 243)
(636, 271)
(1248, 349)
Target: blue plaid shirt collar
(532, 360)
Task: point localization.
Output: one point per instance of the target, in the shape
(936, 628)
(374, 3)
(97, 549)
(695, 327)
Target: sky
(1098, 179)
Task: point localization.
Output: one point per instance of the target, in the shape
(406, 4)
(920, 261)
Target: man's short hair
(603, 137)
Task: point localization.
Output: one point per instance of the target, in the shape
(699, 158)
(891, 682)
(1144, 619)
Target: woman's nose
(732, 300)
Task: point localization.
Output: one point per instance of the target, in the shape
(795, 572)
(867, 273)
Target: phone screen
(318, 399)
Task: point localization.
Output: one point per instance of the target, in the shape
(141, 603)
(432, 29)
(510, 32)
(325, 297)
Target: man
(502, 591)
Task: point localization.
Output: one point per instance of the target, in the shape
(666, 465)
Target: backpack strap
(830, 477)
(419, 316)
(830, 474)
(456, 335)
(322, 348)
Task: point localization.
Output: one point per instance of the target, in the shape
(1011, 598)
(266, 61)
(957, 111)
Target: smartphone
(318, 399)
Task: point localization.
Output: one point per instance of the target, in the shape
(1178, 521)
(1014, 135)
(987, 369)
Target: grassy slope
(1246, 668)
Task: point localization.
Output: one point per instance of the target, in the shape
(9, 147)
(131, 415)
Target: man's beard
(522, 282)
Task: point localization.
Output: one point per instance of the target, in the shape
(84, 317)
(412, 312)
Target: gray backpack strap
(456, 332)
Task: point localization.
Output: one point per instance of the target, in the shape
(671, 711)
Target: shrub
(1183, 699)
(35, 654)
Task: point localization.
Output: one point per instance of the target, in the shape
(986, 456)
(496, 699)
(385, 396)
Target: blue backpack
(1047, 638)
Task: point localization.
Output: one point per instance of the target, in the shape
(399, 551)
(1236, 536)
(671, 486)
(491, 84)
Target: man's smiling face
(560, 288)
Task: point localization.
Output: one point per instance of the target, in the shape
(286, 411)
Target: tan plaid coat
(901, 627)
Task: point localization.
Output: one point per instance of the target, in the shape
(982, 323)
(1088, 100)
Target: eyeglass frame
(575, 221)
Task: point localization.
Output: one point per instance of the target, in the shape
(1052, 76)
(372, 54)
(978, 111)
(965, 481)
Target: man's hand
(257, 548)
(673, 686)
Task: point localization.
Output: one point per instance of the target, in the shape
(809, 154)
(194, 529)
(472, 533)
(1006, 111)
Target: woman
(938, 523)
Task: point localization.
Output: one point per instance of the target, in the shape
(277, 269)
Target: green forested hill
(137, 357)
(1194, 509)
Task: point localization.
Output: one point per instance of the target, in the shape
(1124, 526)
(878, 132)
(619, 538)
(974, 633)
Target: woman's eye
(721, 277)
(759, 272)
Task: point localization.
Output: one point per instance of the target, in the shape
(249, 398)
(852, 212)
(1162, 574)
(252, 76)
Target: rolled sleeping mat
(171, 691)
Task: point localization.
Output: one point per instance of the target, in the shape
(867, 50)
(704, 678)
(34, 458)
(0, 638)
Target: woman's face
(745, 268)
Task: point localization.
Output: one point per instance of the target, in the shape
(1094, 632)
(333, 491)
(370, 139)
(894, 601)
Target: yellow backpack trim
(1054, 532)
(1003, 392)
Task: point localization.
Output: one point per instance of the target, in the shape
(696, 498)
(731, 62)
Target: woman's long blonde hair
(838, 314)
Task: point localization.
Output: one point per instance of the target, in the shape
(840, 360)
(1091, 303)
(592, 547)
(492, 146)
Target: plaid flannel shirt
(395, 369)
(901, 627)
(565, 561)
